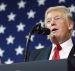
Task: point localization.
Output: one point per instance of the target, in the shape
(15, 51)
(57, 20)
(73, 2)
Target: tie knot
(58, 47)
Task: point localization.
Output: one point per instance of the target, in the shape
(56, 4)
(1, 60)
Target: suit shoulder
(38, 50)
(37, 53)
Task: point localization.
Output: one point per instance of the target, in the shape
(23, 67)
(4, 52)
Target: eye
(48, 21)
(57, 18)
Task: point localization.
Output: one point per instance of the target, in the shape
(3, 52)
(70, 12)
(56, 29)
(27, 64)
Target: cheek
(63, 29)
(48, 26)
(63, 25)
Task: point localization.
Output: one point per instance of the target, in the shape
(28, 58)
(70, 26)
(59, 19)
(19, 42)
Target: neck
(65, 38)
(59, 40)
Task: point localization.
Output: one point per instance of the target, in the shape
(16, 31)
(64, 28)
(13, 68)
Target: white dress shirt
(66, 48)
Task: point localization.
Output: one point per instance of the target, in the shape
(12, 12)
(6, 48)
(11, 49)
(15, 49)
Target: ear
(70, 25)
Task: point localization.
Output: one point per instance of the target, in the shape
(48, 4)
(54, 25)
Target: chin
(55, 38)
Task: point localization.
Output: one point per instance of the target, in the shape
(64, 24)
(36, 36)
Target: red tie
(56, 53)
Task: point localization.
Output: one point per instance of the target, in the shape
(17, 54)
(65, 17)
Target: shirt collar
(64, 45)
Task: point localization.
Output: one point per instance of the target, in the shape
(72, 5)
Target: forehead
(55, 14)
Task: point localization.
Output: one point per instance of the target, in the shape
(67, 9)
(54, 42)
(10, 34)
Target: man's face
(59, 24)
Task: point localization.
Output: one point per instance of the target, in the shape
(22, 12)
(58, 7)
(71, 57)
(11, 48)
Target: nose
(52, 22)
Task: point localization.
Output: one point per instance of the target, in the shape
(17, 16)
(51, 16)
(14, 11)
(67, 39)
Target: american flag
(17, 17)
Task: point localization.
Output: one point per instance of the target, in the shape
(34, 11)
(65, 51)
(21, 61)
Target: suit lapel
(43, 54)
(72, 53)
(71, 59)
(47, 53)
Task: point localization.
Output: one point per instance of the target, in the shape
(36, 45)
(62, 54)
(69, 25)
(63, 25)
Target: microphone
(36, 29)
(40, 30)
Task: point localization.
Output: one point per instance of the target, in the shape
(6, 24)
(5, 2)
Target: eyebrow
(54, 17)
(48, 18)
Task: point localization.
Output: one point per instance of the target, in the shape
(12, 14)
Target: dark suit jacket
(44, 53)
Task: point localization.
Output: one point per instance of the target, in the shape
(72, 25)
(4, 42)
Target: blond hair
(59, 8)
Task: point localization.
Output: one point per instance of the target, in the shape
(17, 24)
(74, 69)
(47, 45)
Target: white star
(39, 46)
(73, 33)
(41, 22)
(2, 29)
(48, 37)
(20, 27)
(2, 7)
(21, 4)
(41, 2)
(11, 16)
(72, 8)
(19, 50)
(31, 14)
(32, 37)
(61, 1)
(1, 52)
(9, 61)
(73, 54)
(10, 39)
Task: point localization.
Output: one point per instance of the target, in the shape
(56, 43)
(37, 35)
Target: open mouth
(54, 29)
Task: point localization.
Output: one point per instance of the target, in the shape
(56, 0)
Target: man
(60, 22)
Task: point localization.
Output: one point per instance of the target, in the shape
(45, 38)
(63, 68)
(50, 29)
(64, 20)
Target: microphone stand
(27, 46)
(38, 29)
(28, 40)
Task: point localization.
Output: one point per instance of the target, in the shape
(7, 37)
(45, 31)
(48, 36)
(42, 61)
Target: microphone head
(41, 30)
(44, 31)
